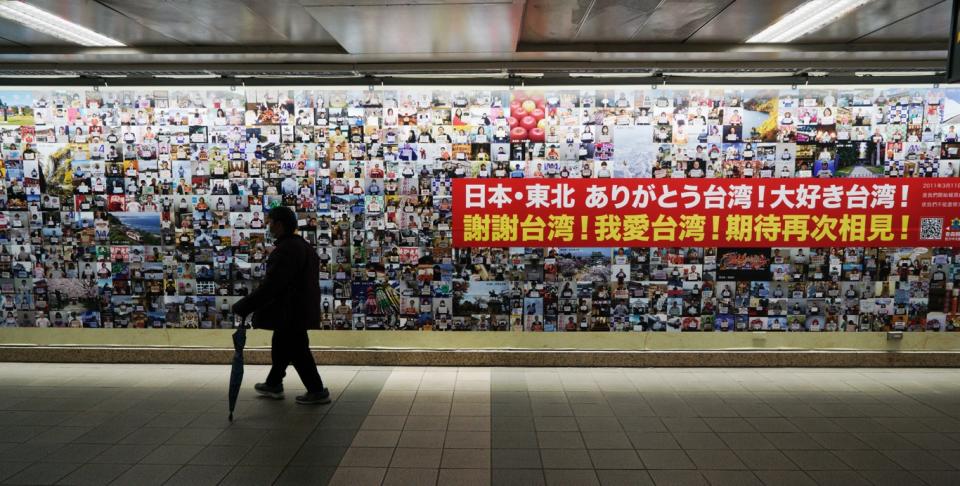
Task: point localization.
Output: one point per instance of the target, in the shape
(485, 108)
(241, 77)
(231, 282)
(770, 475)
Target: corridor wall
(145, 207)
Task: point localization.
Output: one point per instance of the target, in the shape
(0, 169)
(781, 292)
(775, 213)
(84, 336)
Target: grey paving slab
(483, 426)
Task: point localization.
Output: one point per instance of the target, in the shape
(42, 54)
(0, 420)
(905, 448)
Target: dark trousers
(293, 346)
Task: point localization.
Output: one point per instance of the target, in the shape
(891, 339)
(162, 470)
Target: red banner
(706, 212)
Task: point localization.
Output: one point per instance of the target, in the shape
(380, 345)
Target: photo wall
(126, 207)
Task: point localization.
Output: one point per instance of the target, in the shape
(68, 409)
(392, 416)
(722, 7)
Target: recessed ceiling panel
(208, 22)
(104, 20)
(675, 20)
(742, 19)
(553, 20)
(931, 24)
(20, 34)
(184, 21)
(567, 21)
(491, 26)
(876, 15)
(616, 20)
(289, 19)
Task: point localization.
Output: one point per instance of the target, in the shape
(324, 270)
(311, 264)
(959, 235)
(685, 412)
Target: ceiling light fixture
(731, 74)
(644, 74)
(491, 75)
(895, 73)
(807, 18)
(50, 24)
(187, 76)
(39, 76)
(301, 76)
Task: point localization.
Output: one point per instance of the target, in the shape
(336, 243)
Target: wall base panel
(480, 357)
(491, 348)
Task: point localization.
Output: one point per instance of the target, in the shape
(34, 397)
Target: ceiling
(505, 37)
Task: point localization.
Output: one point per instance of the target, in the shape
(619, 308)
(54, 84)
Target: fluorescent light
(895, 73)
(187, 76)
(500, 75)
(732, 74)
(645, 74)
(300, 76)
(809, 17)
(47, 23)
(38, 76)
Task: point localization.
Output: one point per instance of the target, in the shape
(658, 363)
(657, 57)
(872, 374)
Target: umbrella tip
(231, 416)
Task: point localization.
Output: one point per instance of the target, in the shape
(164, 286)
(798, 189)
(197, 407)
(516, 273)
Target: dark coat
(289, 295)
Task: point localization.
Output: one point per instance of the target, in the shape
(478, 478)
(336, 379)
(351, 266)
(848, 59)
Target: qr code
(931, 228)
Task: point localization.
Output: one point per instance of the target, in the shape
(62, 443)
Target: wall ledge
(489, 357)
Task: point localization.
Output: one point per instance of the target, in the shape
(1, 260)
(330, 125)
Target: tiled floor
(166, 424)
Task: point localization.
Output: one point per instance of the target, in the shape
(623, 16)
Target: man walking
(287, 302)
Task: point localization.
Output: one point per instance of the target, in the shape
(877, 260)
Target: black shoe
(274, 392)
(315, 398)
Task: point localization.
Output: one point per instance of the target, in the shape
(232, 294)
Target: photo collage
(145, 207)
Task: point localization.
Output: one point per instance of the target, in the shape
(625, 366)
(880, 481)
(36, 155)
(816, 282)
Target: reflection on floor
(167, 424)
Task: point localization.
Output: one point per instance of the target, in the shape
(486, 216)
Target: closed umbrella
(236, 369)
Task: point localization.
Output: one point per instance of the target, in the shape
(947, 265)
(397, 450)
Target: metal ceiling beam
(446, 67)
(655, 81)
(73, 50)
(602, 47)
(573, 47)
